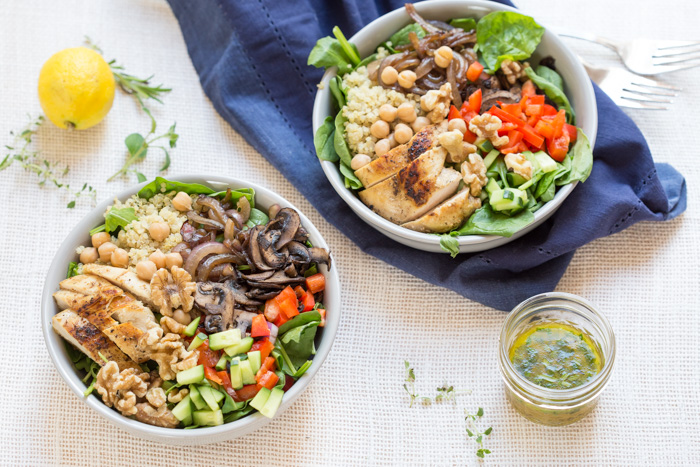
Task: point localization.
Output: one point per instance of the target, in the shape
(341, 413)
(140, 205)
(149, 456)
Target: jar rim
(528, 389)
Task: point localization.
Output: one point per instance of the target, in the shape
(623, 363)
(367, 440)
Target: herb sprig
(474, 432)
(138, 147)
(21, 152)
(444, 392)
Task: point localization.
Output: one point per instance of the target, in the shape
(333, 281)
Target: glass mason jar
(555, 407)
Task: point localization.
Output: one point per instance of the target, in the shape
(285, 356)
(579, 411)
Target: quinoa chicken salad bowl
(451, 125)
(191, 311)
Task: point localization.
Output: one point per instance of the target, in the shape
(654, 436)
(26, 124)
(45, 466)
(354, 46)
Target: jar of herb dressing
(556, 354)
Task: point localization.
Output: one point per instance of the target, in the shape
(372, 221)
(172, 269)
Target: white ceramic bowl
(55, 344)
(578, 88)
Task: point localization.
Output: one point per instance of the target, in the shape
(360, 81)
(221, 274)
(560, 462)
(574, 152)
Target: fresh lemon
(76, 88)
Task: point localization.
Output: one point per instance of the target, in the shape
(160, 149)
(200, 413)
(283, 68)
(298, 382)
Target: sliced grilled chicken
(89, 340)
(414, 190)
(447, 216)
(123, 278)
(387, 165)
(127, 309)
(88, 284)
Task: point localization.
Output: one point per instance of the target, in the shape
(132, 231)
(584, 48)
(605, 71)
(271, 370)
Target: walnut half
(172, 290)
(120, 389)
(486, 126)
(169, 352)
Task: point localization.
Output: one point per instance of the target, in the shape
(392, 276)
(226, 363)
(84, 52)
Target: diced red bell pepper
(534, 110)
(474, 71)
(272, 310)
(259, 327)
(248, 392)
(558, 147)
(454, 113)
(505, 116)
(531, 136)
(268, 364)
(207, 357)
(308, 301)
(469, 137)
(533, 119)
(528, 89)
(289, 308)
(536, 99)
(474, 101)
(210, 374)
(467, 115)
(316, 283)
(559, 122)
(545, 128)
(513, 109)
(506, 128)
(264, 346)
(225, 379)
(268, 380)
(549, 110)
(522, 147)
(286, 294)
(571, 130)
(299, 291)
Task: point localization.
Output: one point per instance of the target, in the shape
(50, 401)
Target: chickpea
(457, 124)
(403, 133)
(380, 129)
(88, 255)
(419, 123)
(159, 231)
(359, 161)
(182, 317)
(158, 258)
(182, 202)
(146, 269)
(173, 259)
(392, 141)
(443, 56)
(407, 78)
(387, 112)
(100, 238)
(406, 112)
(120, 258)
(105, 250)
(389, 75)
(382, 146)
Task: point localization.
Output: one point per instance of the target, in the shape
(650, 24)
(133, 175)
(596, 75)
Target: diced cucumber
(236, 377)
(208, 417)
(485, 146)
(247, 375)
(197, 341)
(242, 347)
(187, 421)
(191, 376)
(183, 409)
(273, 403)
(221, 364)
(490, 158)
(547, 164)
(507, 199)
(218, 395)
(254, 359)
(515, 179)
(197, 398)
(224, 339)
(492, 186)
(208, 397)
(192, 327)
(260, 399)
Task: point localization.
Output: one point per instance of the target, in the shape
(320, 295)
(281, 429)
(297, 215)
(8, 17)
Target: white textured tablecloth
(645, 279)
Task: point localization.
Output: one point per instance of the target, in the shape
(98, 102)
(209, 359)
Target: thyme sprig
(22, 152)
(474, 432)
(444, 392)
(138, 147)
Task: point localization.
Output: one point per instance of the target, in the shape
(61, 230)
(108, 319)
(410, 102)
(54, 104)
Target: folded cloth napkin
(251, 60)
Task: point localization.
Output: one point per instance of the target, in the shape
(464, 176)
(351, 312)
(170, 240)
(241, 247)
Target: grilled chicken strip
(123, 278)
(387, 165)
(414, 190)
(447, 216)
(89, 340)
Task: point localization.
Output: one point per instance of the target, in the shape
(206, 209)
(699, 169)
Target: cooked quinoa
(364, 98)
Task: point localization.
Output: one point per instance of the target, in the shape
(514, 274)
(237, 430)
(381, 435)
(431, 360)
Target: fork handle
(592, 38)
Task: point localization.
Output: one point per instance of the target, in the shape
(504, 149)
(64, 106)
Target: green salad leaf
(295, 344)
(299, 320)
(351, 181)
(506, 35)
(324, 140)
(401, 36)
(161, 185)
(257, 217)
(329, 52)
(553, 92)
(339, 143)
(336, 87)
(551, 76)
(116, 218)
(468, 24)
(449, 243)
(487, 222)
(580, 159)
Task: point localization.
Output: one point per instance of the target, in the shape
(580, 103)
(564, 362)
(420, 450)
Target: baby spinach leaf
(367, 60)
(323, 141)
(487, 222)
(339, 143)
(257, 217)
(237, 194)
(449, 244)
(401, 36)
(336, 87)
(551, 76)
(299, 320)
(468, 24)
(329, 52)
(351, 181)
(298, 343)
(506, 35)
(581, 159)
(545, 183)
(553, 92)
(233, 416)
(161, 185)
(116, 218)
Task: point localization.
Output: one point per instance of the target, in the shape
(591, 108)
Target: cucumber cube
(196, 398)
(547, 164)
(218, 395)
(247, 374)
(221, 364)
(507, 199)
(208, 417)
(254, 359)
(273, 403)
(192, 327)
(236, 377)
(197, 341)
(260, 399)
(242, 347)
(183, 409)
(224, 339)
(191, 376)
(208, 397)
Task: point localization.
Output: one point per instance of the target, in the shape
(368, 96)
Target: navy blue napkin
(251, 59)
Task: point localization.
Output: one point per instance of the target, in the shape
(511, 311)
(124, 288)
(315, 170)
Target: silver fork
(629, 90)
(650, 57)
